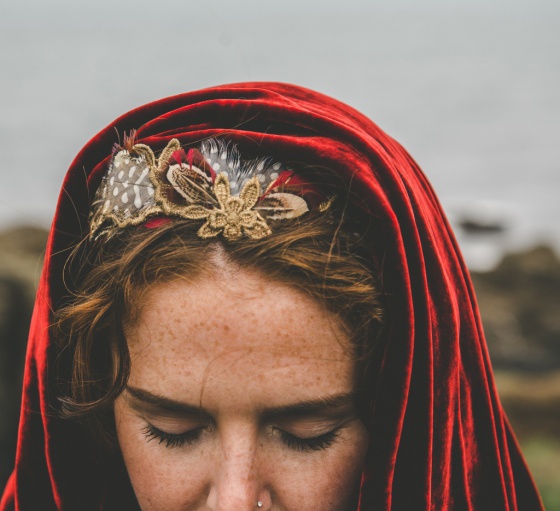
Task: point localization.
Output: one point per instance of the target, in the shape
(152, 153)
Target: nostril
(225, 496)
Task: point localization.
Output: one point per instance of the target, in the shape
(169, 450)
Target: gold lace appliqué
(235, 215)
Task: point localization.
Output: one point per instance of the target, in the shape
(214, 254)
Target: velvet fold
(439, 437)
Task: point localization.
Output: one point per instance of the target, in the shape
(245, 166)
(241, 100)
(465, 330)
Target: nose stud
(259, 504)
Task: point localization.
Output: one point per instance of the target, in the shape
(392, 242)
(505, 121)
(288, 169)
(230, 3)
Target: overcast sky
(470, 87)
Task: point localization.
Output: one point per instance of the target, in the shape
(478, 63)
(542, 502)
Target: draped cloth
(439, 437)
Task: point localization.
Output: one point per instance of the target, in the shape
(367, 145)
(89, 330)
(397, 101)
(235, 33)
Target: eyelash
(172, 439)
(316, 443)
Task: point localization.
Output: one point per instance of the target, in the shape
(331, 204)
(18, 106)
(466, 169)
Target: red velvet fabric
(440, 439)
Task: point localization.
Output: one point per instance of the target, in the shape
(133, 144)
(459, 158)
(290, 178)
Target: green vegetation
(532, 402)
(543, 456)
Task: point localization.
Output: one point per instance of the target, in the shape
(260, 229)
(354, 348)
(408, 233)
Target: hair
(109, 278)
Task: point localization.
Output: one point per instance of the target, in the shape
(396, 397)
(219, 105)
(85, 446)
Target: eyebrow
(333, 404)
(336, 404)
(164, 403)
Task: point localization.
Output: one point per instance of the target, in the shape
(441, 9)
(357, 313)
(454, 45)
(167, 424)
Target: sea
(470, 87)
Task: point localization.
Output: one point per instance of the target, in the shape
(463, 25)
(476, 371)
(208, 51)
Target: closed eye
(315, 443)
(172, 439)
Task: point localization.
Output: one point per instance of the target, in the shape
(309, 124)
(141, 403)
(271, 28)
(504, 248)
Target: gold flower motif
(235, 215)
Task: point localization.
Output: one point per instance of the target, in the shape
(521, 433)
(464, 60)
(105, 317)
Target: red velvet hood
(440, 439)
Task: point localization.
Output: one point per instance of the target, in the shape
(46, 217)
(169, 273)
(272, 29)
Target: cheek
(328, 481)
(162, 478)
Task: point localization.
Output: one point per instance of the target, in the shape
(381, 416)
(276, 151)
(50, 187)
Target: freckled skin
(236, 347)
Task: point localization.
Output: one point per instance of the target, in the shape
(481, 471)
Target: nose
(237, 483)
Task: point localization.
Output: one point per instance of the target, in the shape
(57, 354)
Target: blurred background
(470, 87)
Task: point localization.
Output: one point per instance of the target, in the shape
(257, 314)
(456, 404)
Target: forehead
(242, 336)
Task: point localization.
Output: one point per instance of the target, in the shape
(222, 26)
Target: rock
(520, 307)
(475, 227)
(21, 258)
(21, 255)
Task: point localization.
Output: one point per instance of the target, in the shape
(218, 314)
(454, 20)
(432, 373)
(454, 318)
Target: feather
(129, 141)
(277, 206)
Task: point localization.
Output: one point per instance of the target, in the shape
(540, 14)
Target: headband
(235, 197)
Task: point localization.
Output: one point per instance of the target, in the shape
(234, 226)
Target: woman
(256, 302)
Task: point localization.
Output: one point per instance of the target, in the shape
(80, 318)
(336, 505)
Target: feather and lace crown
(234, 197)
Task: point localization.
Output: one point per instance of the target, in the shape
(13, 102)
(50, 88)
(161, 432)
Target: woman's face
(240, 398)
